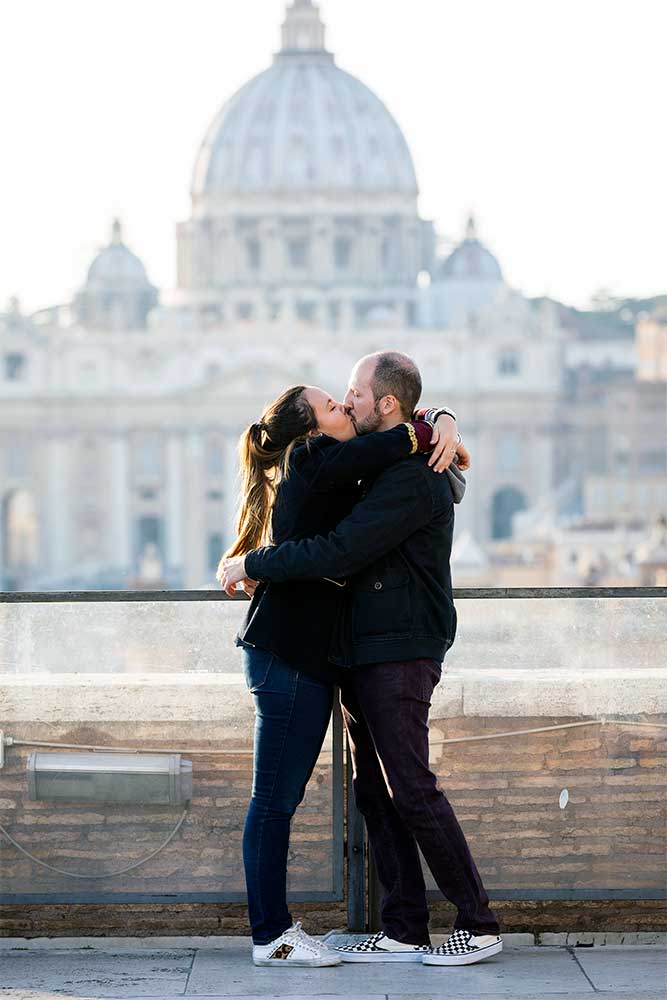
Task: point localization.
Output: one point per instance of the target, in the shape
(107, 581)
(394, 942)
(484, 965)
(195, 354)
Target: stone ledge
(67, 698)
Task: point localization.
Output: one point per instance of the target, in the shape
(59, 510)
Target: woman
(300, 467)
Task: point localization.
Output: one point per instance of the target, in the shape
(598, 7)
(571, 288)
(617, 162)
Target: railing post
(356, 855)
(374, 895)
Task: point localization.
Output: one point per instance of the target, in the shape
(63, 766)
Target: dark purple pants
(385, 707)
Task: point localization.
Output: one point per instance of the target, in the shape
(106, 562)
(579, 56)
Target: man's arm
(398, 503)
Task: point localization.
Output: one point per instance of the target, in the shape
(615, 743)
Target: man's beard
(370, 423)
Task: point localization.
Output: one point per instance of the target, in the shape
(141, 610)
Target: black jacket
(393, 550)
(296, 620)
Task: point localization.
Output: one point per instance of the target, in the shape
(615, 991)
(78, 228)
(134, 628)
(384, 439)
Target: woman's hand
(462, 457)
(230, 572)
(446, 446)
(249, 586)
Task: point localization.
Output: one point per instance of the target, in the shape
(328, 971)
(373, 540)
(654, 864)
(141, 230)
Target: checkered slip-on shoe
(463, 948)
(380, 948)
(294, 948)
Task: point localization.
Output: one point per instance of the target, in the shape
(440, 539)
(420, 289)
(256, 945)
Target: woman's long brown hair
(264, 454)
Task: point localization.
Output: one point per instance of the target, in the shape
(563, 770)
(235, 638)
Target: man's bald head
(395, 374)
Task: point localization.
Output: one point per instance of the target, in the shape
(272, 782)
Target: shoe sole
(374, 959)
(474, 956)
(297, 962)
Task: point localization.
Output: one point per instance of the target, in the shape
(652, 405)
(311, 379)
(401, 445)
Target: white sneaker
(380, 948)
(464, 948)
(294, 948)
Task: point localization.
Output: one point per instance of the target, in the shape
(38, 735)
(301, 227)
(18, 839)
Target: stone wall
(507, 792)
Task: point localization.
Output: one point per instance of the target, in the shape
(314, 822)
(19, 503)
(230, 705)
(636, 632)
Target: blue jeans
(291, 718)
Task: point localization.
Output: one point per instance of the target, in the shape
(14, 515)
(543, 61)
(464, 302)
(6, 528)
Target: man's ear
(389, 405)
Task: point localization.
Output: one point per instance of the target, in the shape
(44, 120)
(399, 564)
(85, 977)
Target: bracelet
(438, 412)
(431, 414)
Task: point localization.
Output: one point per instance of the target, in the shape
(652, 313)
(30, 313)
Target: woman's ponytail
(264, 453)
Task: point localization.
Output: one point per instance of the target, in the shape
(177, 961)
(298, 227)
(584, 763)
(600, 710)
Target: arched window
(506, 503)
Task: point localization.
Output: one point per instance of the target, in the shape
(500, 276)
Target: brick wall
(505, 791)
(206, 855)
(611, 833)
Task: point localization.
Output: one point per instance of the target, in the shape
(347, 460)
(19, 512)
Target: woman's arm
(367, 455)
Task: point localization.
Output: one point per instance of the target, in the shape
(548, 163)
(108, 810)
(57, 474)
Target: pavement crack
(187, 981)
(572, 952)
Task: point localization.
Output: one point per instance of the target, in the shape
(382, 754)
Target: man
(398, 622)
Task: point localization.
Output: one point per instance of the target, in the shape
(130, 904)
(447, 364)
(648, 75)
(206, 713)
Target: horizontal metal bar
(475, 594)
(434, 895)
(44, 898)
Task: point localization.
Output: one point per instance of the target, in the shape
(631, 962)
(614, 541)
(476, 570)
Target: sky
(545, 118)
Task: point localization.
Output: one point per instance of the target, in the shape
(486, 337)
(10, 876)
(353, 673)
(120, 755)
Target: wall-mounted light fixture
(146, 778)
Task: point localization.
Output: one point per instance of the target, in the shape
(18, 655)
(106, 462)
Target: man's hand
(230, 572)
(446, 446)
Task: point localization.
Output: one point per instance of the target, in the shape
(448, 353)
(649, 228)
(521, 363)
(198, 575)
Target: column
(59, 514)
(231, 488)
(174, 505)
(4, 495)
(195, 572)
(121, 528)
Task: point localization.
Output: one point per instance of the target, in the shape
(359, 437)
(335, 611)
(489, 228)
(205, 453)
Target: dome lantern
(302, 30)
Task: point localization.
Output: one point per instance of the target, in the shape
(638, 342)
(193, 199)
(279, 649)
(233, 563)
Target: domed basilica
(304, 197)
(303, 251)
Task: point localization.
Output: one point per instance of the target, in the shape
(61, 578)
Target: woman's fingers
(463, 457)
(442, 455)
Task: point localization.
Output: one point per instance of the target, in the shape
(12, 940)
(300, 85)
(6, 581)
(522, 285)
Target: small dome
(303, 124)
(116, 264)
(117, 294)
(471, 260)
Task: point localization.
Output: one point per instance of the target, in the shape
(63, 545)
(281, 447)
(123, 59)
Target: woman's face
(332, 418)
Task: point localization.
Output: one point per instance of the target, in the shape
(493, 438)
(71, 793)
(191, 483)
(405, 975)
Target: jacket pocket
(382, 604)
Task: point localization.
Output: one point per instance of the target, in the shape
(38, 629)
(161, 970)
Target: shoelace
(305, 939)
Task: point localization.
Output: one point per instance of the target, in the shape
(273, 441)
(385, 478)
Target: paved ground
(225, 972)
